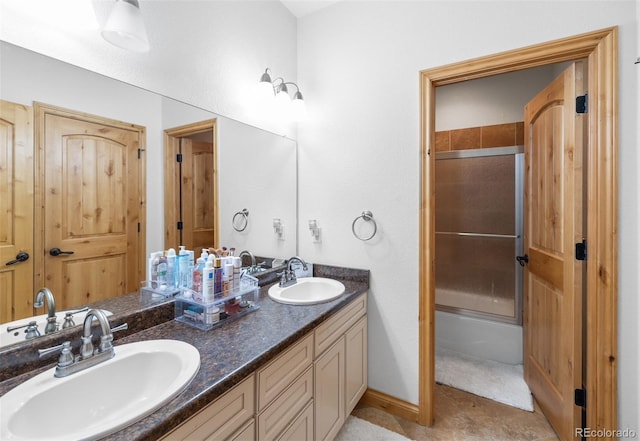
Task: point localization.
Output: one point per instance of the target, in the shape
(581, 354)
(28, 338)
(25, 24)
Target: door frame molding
(600, 48)
(40, 110)
(171, 184)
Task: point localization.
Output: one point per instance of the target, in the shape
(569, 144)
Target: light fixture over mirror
(287, 106)
(125, 28)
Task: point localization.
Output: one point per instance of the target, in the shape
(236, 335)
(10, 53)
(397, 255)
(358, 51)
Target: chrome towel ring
(368, 217)
(240, 220)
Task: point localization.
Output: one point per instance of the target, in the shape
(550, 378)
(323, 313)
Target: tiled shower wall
(498, 135)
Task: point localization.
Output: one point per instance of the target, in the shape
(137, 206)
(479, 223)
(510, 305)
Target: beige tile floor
(461, 416)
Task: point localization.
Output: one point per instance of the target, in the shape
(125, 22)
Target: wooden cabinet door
(356, 364)
(16, 208)
(93, 200)
(329, 396)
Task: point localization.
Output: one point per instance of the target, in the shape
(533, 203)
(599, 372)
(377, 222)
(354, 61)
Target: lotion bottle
(172, 268)
(207, 283)
(197, 276)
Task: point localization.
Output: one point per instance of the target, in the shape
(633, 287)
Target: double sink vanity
(291, 370)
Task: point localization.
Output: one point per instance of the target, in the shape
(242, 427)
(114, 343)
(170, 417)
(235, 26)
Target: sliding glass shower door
(479, 232)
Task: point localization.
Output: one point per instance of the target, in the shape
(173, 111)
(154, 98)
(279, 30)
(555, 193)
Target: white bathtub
(479, 338)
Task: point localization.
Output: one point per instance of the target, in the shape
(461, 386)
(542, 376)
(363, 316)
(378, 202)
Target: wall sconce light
(125, 27)
(278, 228)
(315, 230)
(277, 88)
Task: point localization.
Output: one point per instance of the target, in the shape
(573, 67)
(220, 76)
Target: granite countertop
(228, 353)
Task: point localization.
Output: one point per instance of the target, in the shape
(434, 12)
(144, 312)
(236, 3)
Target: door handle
(20, 257)
(58, 251)
(523, 260)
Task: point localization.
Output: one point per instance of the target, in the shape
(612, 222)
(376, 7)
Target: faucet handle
(105, 340)
(121, 327)
(66, 356)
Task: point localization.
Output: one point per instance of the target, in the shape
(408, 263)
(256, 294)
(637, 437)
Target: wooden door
(16, 208)
(92, 206)
(197, 197)
(553, 225)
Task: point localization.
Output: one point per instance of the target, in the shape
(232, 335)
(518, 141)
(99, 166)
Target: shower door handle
(523, 260)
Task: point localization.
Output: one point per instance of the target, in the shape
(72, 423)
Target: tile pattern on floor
(462, 416)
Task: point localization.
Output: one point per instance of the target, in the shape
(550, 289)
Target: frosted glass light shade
(125, 27)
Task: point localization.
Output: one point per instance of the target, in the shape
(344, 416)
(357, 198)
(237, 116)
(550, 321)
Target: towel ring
(367, 216)
(240, 220)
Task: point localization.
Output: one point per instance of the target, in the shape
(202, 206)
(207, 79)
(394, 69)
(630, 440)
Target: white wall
(206, 53)
(359, 149)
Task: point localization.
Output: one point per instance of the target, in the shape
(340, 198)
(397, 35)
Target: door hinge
(179, 157)
(139, 227)
(179, 225)
(140, 153)
(581, 250)
(582, 103)
(580, 397)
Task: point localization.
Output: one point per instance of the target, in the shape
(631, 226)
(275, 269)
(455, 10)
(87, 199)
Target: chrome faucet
(288, 276)
(45, 293)
(68, 364)
(251, 256)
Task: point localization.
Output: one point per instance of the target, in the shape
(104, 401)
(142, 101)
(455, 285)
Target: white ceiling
(300, 8)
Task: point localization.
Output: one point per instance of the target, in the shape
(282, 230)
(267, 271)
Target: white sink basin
(307, 291)
(8, 338)
(102, 399)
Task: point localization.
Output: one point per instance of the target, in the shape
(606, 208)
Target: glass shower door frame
(518, 153)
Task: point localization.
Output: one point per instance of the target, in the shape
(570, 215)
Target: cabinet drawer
(280, 373)
(302, 427)
(247, 433)
(328, 332)
(285, 408)
(222, 418)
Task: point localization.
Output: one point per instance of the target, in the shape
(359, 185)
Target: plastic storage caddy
(232, 304)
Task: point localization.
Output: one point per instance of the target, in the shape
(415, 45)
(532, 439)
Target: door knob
(20, 257)
(58, 251)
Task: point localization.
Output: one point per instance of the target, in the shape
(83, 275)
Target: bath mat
(356, 429)
(497, 381)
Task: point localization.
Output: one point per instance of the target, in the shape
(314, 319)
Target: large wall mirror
(256, 169)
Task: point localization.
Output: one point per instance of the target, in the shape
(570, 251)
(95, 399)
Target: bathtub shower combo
(479, 225)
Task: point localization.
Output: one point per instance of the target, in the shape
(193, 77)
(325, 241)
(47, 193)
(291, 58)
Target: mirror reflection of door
(191, 208)
(91, 181)
(16, 208)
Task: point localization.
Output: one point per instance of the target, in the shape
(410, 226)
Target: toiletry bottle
(172, 268)
(227, 278)
(237, 264)
(191, 266)
(183, 268)
(162, 271)
(207, 283)
(152, 276)
(217, 277)
(197, 276)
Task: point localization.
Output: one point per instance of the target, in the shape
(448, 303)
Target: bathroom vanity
(283, 372)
